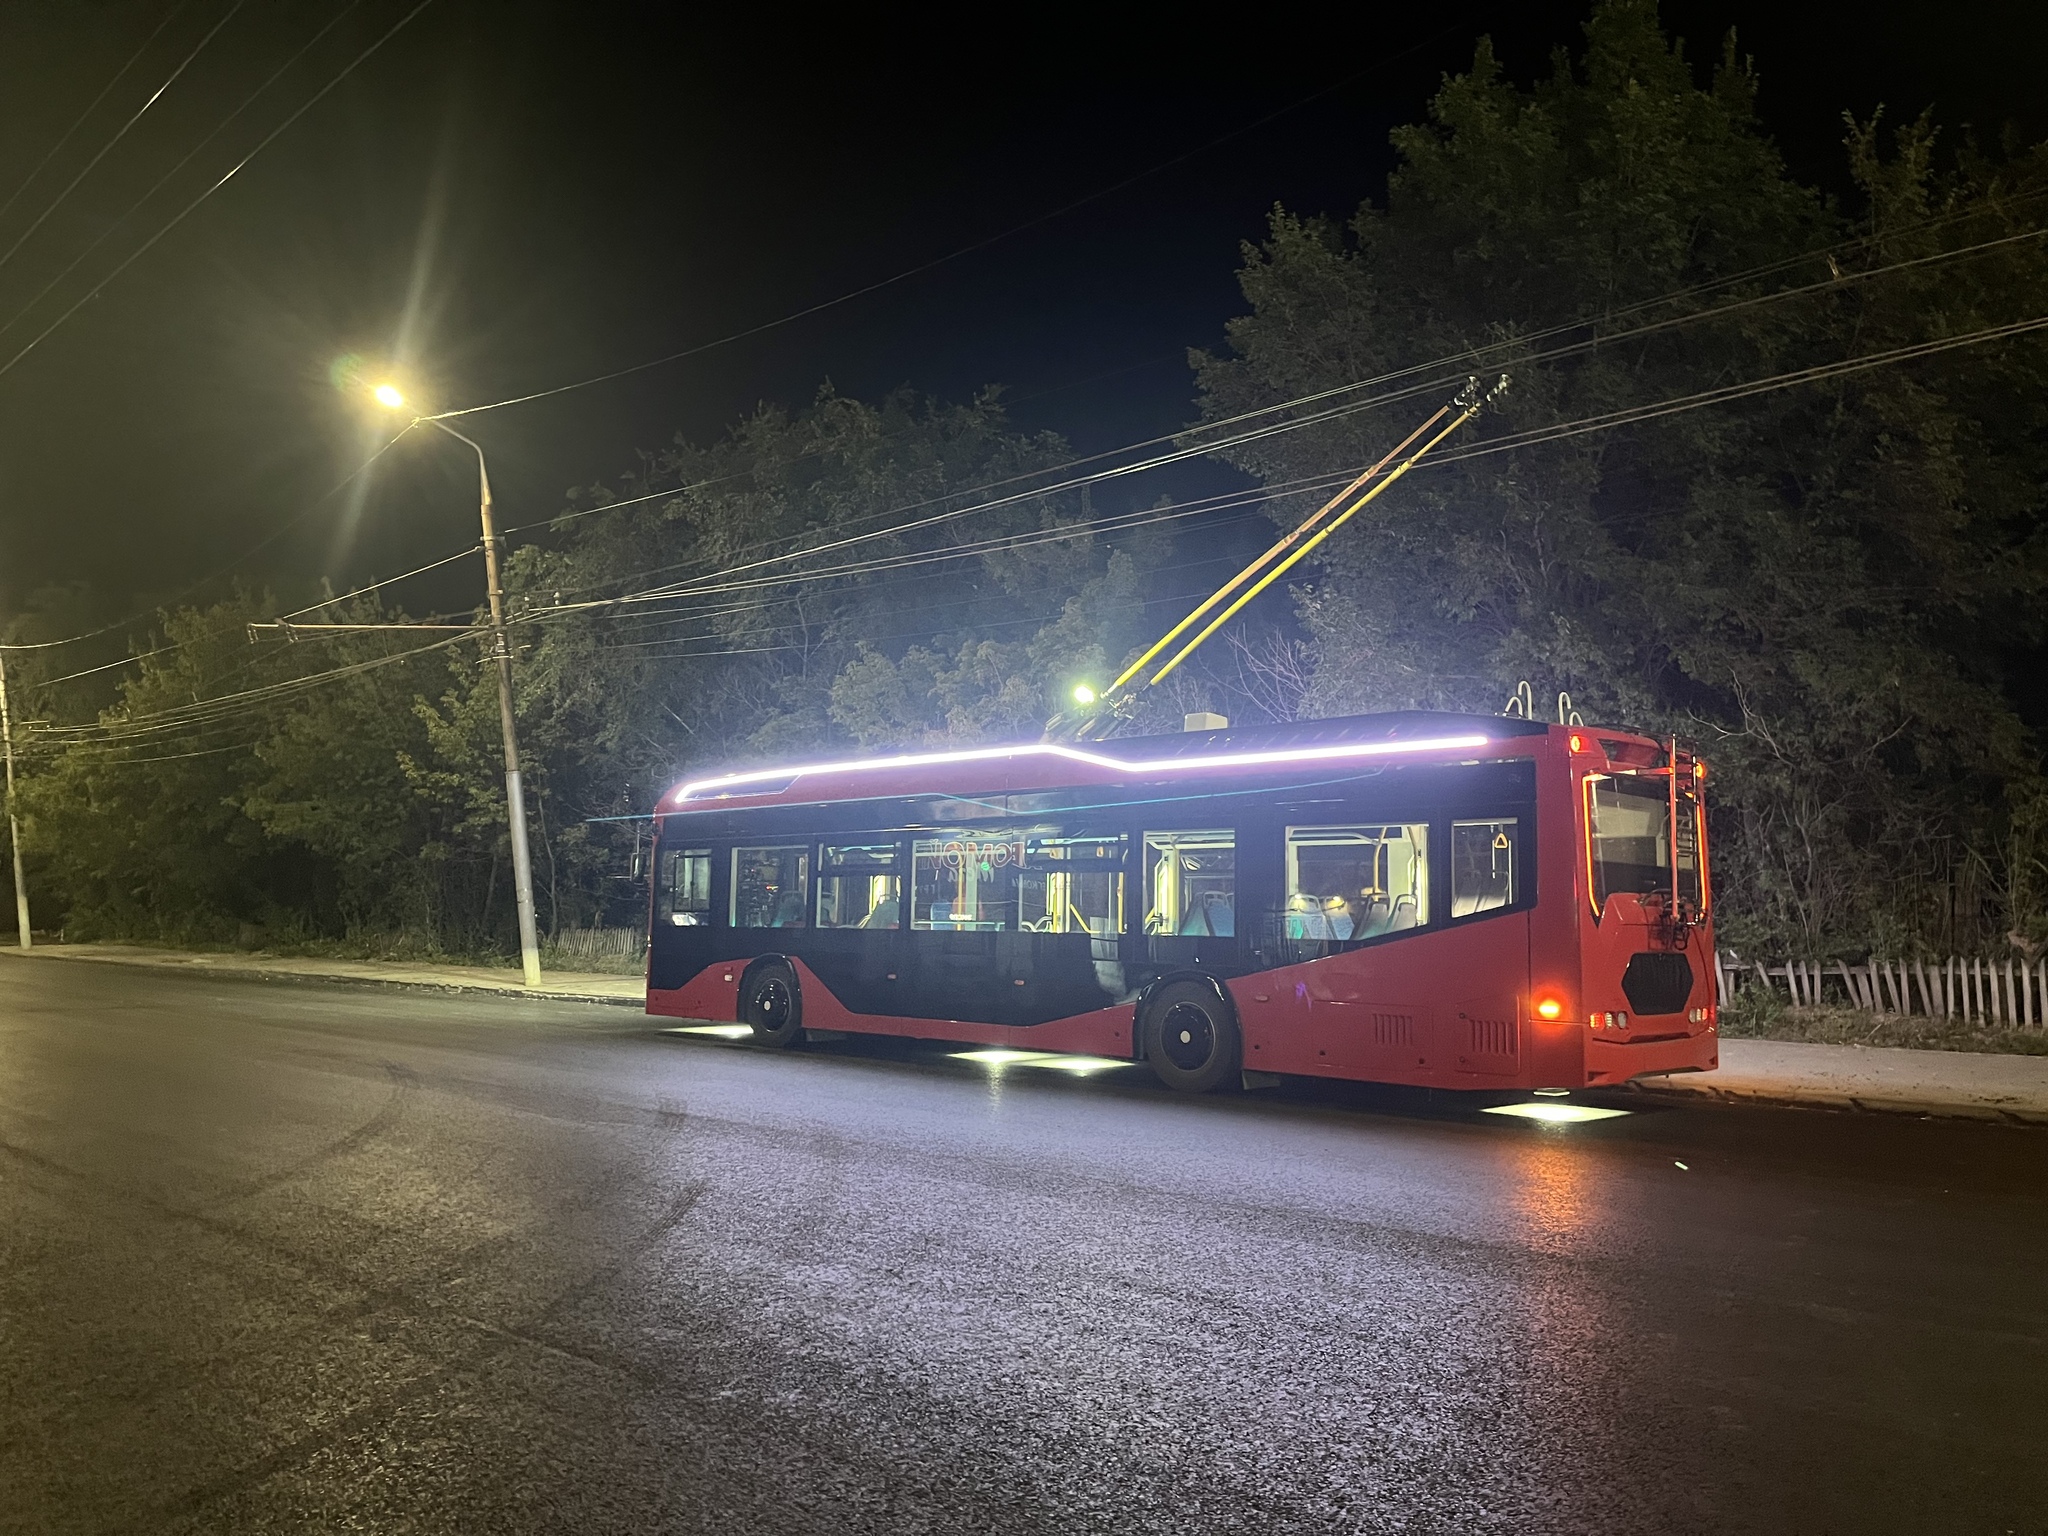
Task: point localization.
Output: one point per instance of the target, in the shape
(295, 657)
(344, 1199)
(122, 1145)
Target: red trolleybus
(1444, 900)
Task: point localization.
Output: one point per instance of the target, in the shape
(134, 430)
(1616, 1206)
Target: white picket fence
(2012, 993)
(601, 943)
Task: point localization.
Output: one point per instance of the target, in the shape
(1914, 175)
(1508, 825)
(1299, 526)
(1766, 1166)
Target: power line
(163, 180)
(1728, 393)
(190, 207)
(230, 706)
(121, 132)
(105, 90)
(1471, 356)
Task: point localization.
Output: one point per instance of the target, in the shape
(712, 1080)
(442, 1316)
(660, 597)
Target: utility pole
(13, 825)
(515, 798)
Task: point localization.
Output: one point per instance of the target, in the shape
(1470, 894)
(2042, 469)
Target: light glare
(389, 396)
(1083, 694)
(1079, 1066)
(1556, 1114)
(783, 778)
(722, 1031)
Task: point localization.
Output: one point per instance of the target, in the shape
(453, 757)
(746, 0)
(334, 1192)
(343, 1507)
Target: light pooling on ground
(1555, 1113)
(722, 1031)
(1080, 1066)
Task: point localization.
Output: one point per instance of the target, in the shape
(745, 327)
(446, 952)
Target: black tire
(1191, 1037)
(772, 1006)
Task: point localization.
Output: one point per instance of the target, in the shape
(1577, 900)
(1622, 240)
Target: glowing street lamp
(392, 398)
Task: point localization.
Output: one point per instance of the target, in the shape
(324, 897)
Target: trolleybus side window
(683, 893)
(1072, 883)
(769, 885)
(858, 886)
(1482, 866)
(966, 880)
(1191, 884)
(1357, 882)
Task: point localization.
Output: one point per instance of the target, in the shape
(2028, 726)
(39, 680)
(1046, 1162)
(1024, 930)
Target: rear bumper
(1619, 1061)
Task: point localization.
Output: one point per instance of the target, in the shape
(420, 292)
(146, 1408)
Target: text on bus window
(1036, 880)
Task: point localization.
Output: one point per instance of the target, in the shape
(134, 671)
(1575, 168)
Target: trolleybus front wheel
(771, 1005)
(1191, 1037)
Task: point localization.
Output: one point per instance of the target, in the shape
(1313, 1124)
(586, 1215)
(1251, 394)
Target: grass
(1743, 1020)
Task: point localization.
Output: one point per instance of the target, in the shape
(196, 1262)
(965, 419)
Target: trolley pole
(13, 824)
(515, 798)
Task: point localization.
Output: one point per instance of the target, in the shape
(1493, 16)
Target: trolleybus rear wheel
(1191, 1037)
(772, 1006)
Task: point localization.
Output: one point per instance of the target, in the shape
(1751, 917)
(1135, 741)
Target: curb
(258, 972)
(1987, 1110)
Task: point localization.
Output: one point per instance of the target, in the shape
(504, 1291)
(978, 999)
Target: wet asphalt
(282, 1257)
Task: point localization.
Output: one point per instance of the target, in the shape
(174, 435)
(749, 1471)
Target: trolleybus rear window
(1628, 827)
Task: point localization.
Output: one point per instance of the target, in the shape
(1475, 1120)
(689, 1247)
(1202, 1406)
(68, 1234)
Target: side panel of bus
(1449, 1000)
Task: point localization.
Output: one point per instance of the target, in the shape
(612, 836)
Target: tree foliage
(1822, 581)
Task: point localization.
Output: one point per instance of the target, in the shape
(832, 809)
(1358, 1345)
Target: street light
(392, 398)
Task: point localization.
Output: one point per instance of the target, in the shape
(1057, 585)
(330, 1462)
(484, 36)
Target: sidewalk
(1945, 1083)
(556, 986)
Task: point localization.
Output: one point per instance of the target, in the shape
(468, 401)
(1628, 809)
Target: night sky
(509, 197)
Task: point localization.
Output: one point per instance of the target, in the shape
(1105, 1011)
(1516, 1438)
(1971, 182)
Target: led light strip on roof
(730, 784)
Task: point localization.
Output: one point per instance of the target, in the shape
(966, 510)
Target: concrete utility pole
(515, 798)
(13, 825)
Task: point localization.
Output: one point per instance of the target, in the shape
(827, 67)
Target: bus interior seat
(1373, 920)
(1305, 918)
(1404, 915)
(1215, 918)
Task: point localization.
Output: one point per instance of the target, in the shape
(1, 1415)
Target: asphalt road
(302, 1258)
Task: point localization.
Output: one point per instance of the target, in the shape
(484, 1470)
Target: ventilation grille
(1393, 1029)
(1492, 1037)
